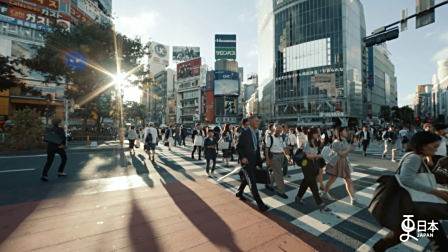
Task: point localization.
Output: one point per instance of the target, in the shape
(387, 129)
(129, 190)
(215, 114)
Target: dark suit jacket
(60, 131)
(246, 149)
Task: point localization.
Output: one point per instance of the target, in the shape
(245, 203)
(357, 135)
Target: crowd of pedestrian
(265, 155)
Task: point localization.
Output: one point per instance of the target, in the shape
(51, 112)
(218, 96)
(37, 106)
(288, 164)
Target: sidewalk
(180, 216)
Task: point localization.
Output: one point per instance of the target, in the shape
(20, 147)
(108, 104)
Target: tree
(135, 112)
(84, 57)
(407, 115)
(385, 113)
(27, 131)
(9, 70)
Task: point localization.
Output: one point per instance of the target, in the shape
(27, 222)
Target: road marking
(20, 170)
(26, 156)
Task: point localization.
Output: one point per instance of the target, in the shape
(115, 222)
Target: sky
(195, 22)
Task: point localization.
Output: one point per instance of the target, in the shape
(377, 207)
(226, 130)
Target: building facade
(423, 102)
(22, 28)
(160, 98)
(381, 80)
(319, 62)
(191, 78)
(440, 92)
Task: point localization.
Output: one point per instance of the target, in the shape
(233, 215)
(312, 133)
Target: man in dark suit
(249, 153)
(364, 136)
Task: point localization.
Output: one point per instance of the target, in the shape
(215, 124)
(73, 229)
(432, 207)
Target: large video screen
(185, 53)
(307, 55)
(189, 69)
(227, 83)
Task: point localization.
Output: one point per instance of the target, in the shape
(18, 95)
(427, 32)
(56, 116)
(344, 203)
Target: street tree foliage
(134, 112)
(398, 115)
(62, 59)
(27, 131)
(9, 70)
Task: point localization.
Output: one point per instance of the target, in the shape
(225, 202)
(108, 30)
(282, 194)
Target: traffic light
(382, 37)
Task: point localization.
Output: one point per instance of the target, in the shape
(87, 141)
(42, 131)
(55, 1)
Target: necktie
(254, 139)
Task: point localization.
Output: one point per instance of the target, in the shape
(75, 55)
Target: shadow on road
(141, 233)
(214, 228)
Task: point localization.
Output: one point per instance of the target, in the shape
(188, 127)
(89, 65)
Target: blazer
(246, 148)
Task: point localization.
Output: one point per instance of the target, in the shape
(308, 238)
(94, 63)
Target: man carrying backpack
(151, 135)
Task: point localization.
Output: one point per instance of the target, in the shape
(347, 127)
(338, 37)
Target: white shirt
(278, 144)
(153, 132)
(302, 139)
(364, 134)
(292, 139)
(441, 151)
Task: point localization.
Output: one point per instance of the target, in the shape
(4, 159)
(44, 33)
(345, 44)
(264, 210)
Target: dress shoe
(240, 196)
(270, 188)
(44, 178)
(263, 208)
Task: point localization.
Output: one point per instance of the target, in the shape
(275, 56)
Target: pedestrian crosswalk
(376, 149)
(350, 228)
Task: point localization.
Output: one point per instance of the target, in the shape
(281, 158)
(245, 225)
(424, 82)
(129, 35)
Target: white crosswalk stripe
(350, 228)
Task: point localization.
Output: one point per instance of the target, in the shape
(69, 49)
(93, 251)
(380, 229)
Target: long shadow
(215, 229)
(140, 231)
(142, 170)
(174, 166)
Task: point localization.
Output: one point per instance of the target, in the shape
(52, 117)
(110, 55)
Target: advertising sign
(23, 17)
(53, 4)
(325, 82)
(227, 83)
(209, 106)
(185, 53)
(225, 46)
(189, 69)
(90, 8)
(159, 53)
(78, 15)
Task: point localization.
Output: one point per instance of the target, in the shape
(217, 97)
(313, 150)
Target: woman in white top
(302, 138)
(429, 202)
(132, 136)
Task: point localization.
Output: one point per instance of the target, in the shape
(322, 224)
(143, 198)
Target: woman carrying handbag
(198, 141)
(426, 201)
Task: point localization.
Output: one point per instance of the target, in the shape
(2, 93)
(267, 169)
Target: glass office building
(320, 62)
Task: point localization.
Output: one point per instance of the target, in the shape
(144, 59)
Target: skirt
(341, 169)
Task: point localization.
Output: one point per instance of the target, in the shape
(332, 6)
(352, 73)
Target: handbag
(52, 137)
(390, 201)
(327, 153)
(198, 141)
(223, 145)
(299, 156)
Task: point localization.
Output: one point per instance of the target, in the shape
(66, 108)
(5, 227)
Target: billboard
(185, 53)
(24, 17)
(225, 46)
(316, 53)
(159, 53)
(227, 83)
(189, 69)
(325, 82)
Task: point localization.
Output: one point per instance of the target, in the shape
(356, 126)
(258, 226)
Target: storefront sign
(222, 120)
(311, 72)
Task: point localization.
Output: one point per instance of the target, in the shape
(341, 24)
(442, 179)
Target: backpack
(148, 139)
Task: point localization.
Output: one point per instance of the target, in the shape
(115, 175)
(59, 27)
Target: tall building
(440, 92)
(160, 98)
(191, 78)
(22, 28)
(423, 102)
(266, 59)
(318, 59)
(381, 80)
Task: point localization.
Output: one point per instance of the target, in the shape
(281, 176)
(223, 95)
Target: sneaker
(393, 161)
(62, 174)
(44, 178)
(353, 201)
(327, 196)
(382, 156)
